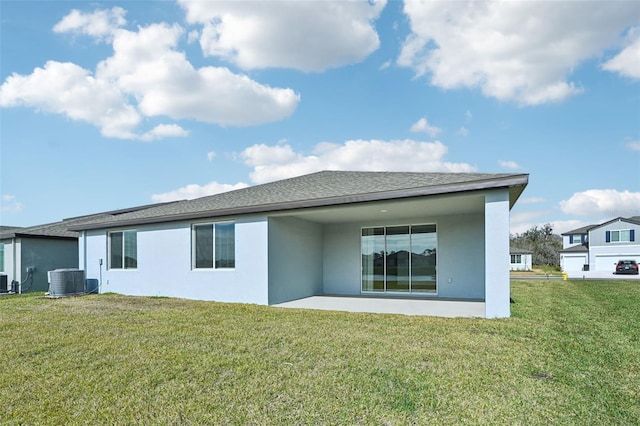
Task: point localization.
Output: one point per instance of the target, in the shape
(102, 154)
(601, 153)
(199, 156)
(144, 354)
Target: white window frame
(578, 238)
(619, 232)
(193, 246)
(109, 254)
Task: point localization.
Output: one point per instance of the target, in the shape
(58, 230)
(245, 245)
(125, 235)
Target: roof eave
(515, 183)
(571, 250)
(48, 237)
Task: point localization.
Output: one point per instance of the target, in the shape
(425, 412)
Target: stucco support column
(496, 226)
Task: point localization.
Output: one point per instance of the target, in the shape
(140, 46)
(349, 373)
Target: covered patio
(391, 305)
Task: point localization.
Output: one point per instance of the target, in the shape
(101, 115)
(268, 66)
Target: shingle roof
(316, 190)
(581, 248)
(516, 250)
(4, 228)
(62, 229)
(48, 230)
(583, 230)
(586, 229)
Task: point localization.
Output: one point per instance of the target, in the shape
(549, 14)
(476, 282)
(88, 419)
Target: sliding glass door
(399, 259)
(423, 258)
(373, 259)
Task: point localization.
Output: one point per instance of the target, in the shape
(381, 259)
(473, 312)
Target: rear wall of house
(295, 259)
(460, 255)
(164, 266)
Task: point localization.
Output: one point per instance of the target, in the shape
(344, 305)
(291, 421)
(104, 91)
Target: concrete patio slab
(438, 308)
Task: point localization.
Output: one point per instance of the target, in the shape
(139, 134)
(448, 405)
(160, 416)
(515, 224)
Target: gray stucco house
(27, 254)
(435, 236)
(597, 248)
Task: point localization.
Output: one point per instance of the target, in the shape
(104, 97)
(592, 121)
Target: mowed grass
(569, 355)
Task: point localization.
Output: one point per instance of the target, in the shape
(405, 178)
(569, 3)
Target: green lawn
(569, 355)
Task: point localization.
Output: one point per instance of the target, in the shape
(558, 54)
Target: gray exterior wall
(295, 259)
(460, 261)
(165, 267)
(44, 255)
(461, 264)
(597, 236)
(341, 254)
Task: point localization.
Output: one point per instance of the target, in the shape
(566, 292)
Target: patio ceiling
(398, 209)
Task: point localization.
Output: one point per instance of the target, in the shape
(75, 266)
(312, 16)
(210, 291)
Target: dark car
(627, 267)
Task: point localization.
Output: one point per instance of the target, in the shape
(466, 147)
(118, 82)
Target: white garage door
(608, 263)
(573, 263)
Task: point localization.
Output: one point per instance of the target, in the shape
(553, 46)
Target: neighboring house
(27, 254)
(416, 235)
(599, 247)
(520, 259)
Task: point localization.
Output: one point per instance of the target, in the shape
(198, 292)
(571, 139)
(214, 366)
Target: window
(577, 239)
(123, 250)
(399, 258)
(620, 236)
(516, 258)
(214, 246)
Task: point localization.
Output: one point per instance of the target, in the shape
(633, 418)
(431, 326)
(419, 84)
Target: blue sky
(107, 105)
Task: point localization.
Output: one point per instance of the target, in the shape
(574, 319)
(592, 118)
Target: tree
(544, 244)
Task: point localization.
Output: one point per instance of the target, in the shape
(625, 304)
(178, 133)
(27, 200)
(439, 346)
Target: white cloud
(509, 164)
(523, 221)
(211, 155)
(146, 64)
(196, 191)
(627, 62)
(146, 76)
(259, 155)
(10, 204)
(561, 226)
(634, 145)
(100, 24)
(605, 202)
(281, 161)
(468, 115)
(303, 35)
(463, 131)
(67, 89)
(531, 200)
(423, 125)
(193, 36)
(162, 131)
(514, 51)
